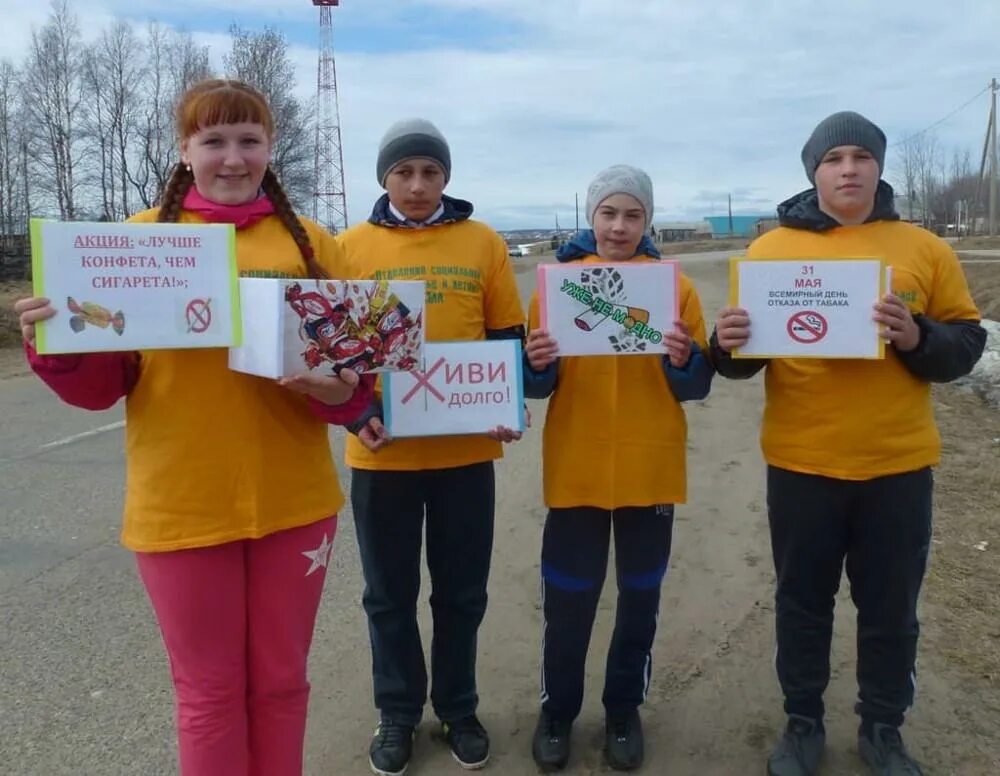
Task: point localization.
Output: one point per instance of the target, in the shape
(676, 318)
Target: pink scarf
(241, 216)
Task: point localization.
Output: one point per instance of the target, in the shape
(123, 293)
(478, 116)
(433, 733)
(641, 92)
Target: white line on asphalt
(84, 435)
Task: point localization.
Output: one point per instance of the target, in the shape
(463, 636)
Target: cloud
(535, 98)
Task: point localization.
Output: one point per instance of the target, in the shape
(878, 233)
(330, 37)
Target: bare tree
(154, 137)
(96, 125)
(126, 70)
(10, 152)
(52, 96)
(918, 171)
(908, 174)
(173, 63)
(958, 188)
(261, 59)
(187, 62)
(939, 188)
(927, 165)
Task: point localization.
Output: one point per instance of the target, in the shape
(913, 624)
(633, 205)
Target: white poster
(296, 326)
(135, 286)
(809, 308)
(614, 308)
(461, 388)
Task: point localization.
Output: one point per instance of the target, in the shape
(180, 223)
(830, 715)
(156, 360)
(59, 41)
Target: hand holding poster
(135, 286)
(809, 308)
(461, 388)
(296, 326)
(614, 308)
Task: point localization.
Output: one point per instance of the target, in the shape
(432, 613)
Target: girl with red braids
(232, 497)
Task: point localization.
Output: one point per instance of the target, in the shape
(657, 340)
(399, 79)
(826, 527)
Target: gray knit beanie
(412, 139)
(620, 179)
(841, 129)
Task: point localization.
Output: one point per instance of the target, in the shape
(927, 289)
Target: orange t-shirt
(615, 434)
(214, 455)
(470, 288)
(857, 419)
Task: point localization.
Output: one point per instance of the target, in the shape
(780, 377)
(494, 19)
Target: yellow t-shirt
(215, 455)
(615, 435)
(858, 419)
(470, 288)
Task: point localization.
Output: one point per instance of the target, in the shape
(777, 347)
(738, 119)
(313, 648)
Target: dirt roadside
(714, 706)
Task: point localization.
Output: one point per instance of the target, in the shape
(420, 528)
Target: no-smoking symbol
(807, 327)
(199, 315)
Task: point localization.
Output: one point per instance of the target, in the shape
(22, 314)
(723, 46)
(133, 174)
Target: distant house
(765, 225)
(683, 230)
(742, 225)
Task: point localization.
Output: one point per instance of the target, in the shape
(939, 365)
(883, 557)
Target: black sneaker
(391, 747)
(550, 746)
(623, 744)
(469, 742)
(884, 753)
(800, 749)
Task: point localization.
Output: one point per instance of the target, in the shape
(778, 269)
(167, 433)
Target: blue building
(742, 226)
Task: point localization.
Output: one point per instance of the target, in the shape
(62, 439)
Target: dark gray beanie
(841, 129)
(412, 139)
(620, 179)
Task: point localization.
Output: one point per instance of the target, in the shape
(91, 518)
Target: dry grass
(981, 243)
(984, 280)
(963, 581)
(964, 576)
(10, 330)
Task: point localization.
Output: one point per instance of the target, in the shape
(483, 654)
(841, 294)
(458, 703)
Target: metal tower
(329, 198)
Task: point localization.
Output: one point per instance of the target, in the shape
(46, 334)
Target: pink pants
(237, 621)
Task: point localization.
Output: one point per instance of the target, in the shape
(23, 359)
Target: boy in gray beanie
(443, 485)
(846, 128)
(587, 499)
(617, 179)
(412, 139)
(853, 486)
(621, 179)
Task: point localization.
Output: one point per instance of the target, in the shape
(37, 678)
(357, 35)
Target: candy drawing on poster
(297, 326)
(608, 309)
(809, 308)
(459, 388)
(359, 325)
(135, 286)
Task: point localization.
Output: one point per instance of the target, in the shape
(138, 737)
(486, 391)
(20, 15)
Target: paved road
(84, 687)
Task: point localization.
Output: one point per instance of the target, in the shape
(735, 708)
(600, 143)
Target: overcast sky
(535, 96)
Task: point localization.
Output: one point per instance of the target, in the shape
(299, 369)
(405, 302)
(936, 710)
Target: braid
(173, 194)
(286, 213)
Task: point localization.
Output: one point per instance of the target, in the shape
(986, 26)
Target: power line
(941, 121)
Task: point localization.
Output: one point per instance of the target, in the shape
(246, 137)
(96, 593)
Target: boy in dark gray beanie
(846, 128)
(850, 444)
(412, 139)
(441, 485)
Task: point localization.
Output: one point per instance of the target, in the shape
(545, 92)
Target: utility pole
(730, 198)
(577, 197)
(993, 157)
(989, 150)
